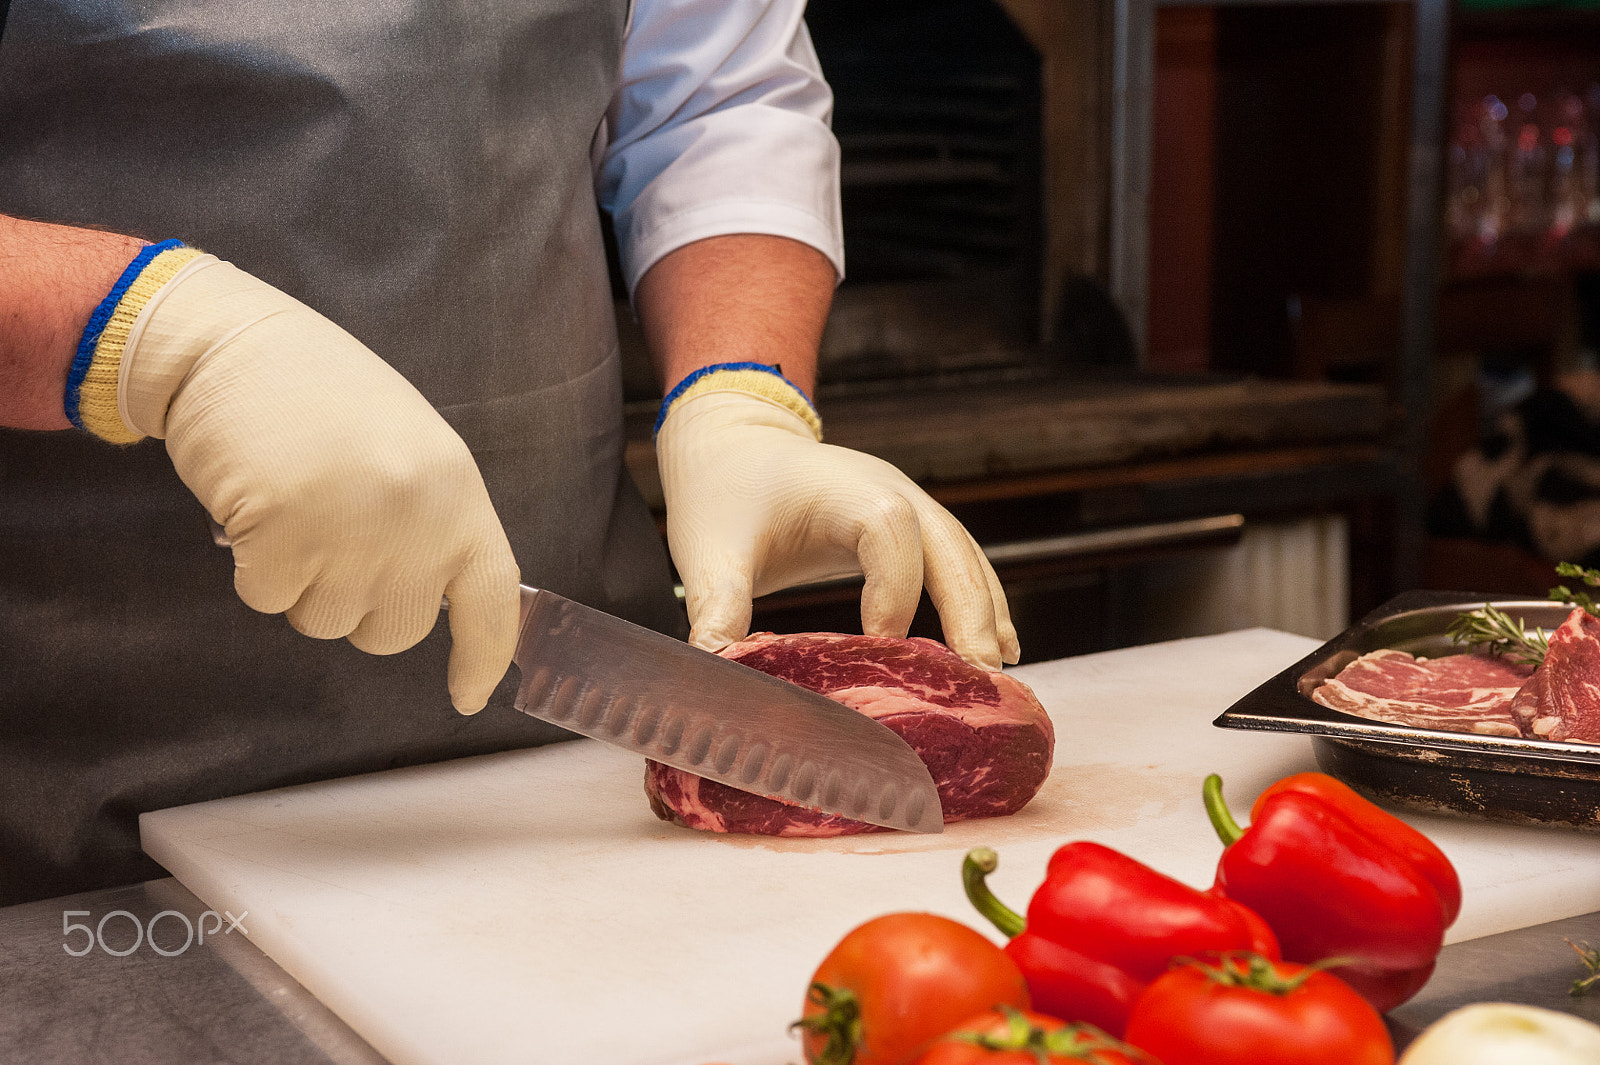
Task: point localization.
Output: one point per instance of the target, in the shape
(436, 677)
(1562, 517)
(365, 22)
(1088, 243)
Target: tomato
(1017, 1037)
(1246, 1010)
(897, 983)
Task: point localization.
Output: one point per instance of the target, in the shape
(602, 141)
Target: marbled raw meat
(1561, 701)
(986, 740)
(1456, 693)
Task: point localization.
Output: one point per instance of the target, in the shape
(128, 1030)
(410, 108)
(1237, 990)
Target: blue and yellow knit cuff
(91, 399)
(754, 378)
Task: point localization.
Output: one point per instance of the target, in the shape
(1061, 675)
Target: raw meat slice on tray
(1561, 701)
(1457, 693)
(985, 738)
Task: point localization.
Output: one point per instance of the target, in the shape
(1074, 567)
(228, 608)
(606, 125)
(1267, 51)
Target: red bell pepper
(1102, 926)
(1336, 877)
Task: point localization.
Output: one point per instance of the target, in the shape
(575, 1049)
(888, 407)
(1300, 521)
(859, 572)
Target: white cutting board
(527, 907)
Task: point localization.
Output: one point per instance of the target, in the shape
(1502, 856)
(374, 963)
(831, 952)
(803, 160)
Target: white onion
(1500, 1033)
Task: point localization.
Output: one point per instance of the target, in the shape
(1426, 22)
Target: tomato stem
(839, 1020)
(1228, 829)
(1019, 1035)
(1078, 1041)
(1247, 969)
(978, 864)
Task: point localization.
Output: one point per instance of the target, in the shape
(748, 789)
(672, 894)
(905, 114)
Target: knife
(603, 677)
(626, 685)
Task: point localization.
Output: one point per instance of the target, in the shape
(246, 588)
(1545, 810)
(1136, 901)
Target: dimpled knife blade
(625, 685)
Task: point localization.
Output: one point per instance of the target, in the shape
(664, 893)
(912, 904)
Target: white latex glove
(755, 504)
(352, 505)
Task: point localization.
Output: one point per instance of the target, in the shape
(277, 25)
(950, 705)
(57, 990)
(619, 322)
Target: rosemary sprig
(1499, 634)
(1591, 960)
(1563, 594)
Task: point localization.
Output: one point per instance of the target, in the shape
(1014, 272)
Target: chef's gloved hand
(353, 507)
(756, 502)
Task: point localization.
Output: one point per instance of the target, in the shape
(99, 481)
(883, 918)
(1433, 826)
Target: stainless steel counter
(223, 1001)
(160, 1003)
(1534, 966)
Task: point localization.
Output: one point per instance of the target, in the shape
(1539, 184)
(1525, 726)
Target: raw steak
(1561, 701)
(1457, 693)
(985, 738)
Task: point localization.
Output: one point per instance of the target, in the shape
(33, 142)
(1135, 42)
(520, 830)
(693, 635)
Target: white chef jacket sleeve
(720, 125)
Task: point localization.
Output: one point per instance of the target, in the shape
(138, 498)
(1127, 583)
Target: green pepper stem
(979, 863)
(1228, 829)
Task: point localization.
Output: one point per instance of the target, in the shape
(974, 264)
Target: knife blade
(626, 685)
(623, 684)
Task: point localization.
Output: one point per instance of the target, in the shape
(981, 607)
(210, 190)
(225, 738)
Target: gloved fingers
(717, 590)
(331, 608)
(401, 621)
(1010, 648)
(483, 625)
(889, 547)
(954, 572)
(269, 574)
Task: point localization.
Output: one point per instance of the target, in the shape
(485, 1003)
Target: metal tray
(1463, 774)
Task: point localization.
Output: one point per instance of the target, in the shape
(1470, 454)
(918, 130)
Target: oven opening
(937, 111)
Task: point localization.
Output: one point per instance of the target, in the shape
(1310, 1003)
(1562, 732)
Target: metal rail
(1165, 534)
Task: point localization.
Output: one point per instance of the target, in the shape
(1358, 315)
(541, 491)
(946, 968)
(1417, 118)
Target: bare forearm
(51, 279)
(739, 298)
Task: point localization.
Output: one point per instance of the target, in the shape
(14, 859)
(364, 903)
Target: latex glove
(756, 503)
(352, 505)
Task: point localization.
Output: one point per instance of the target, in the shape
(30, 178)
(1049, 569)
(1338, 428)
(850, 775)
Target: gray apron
(418, 171)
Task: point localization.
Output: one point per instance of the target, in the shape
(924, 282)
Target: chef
(345, 260)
